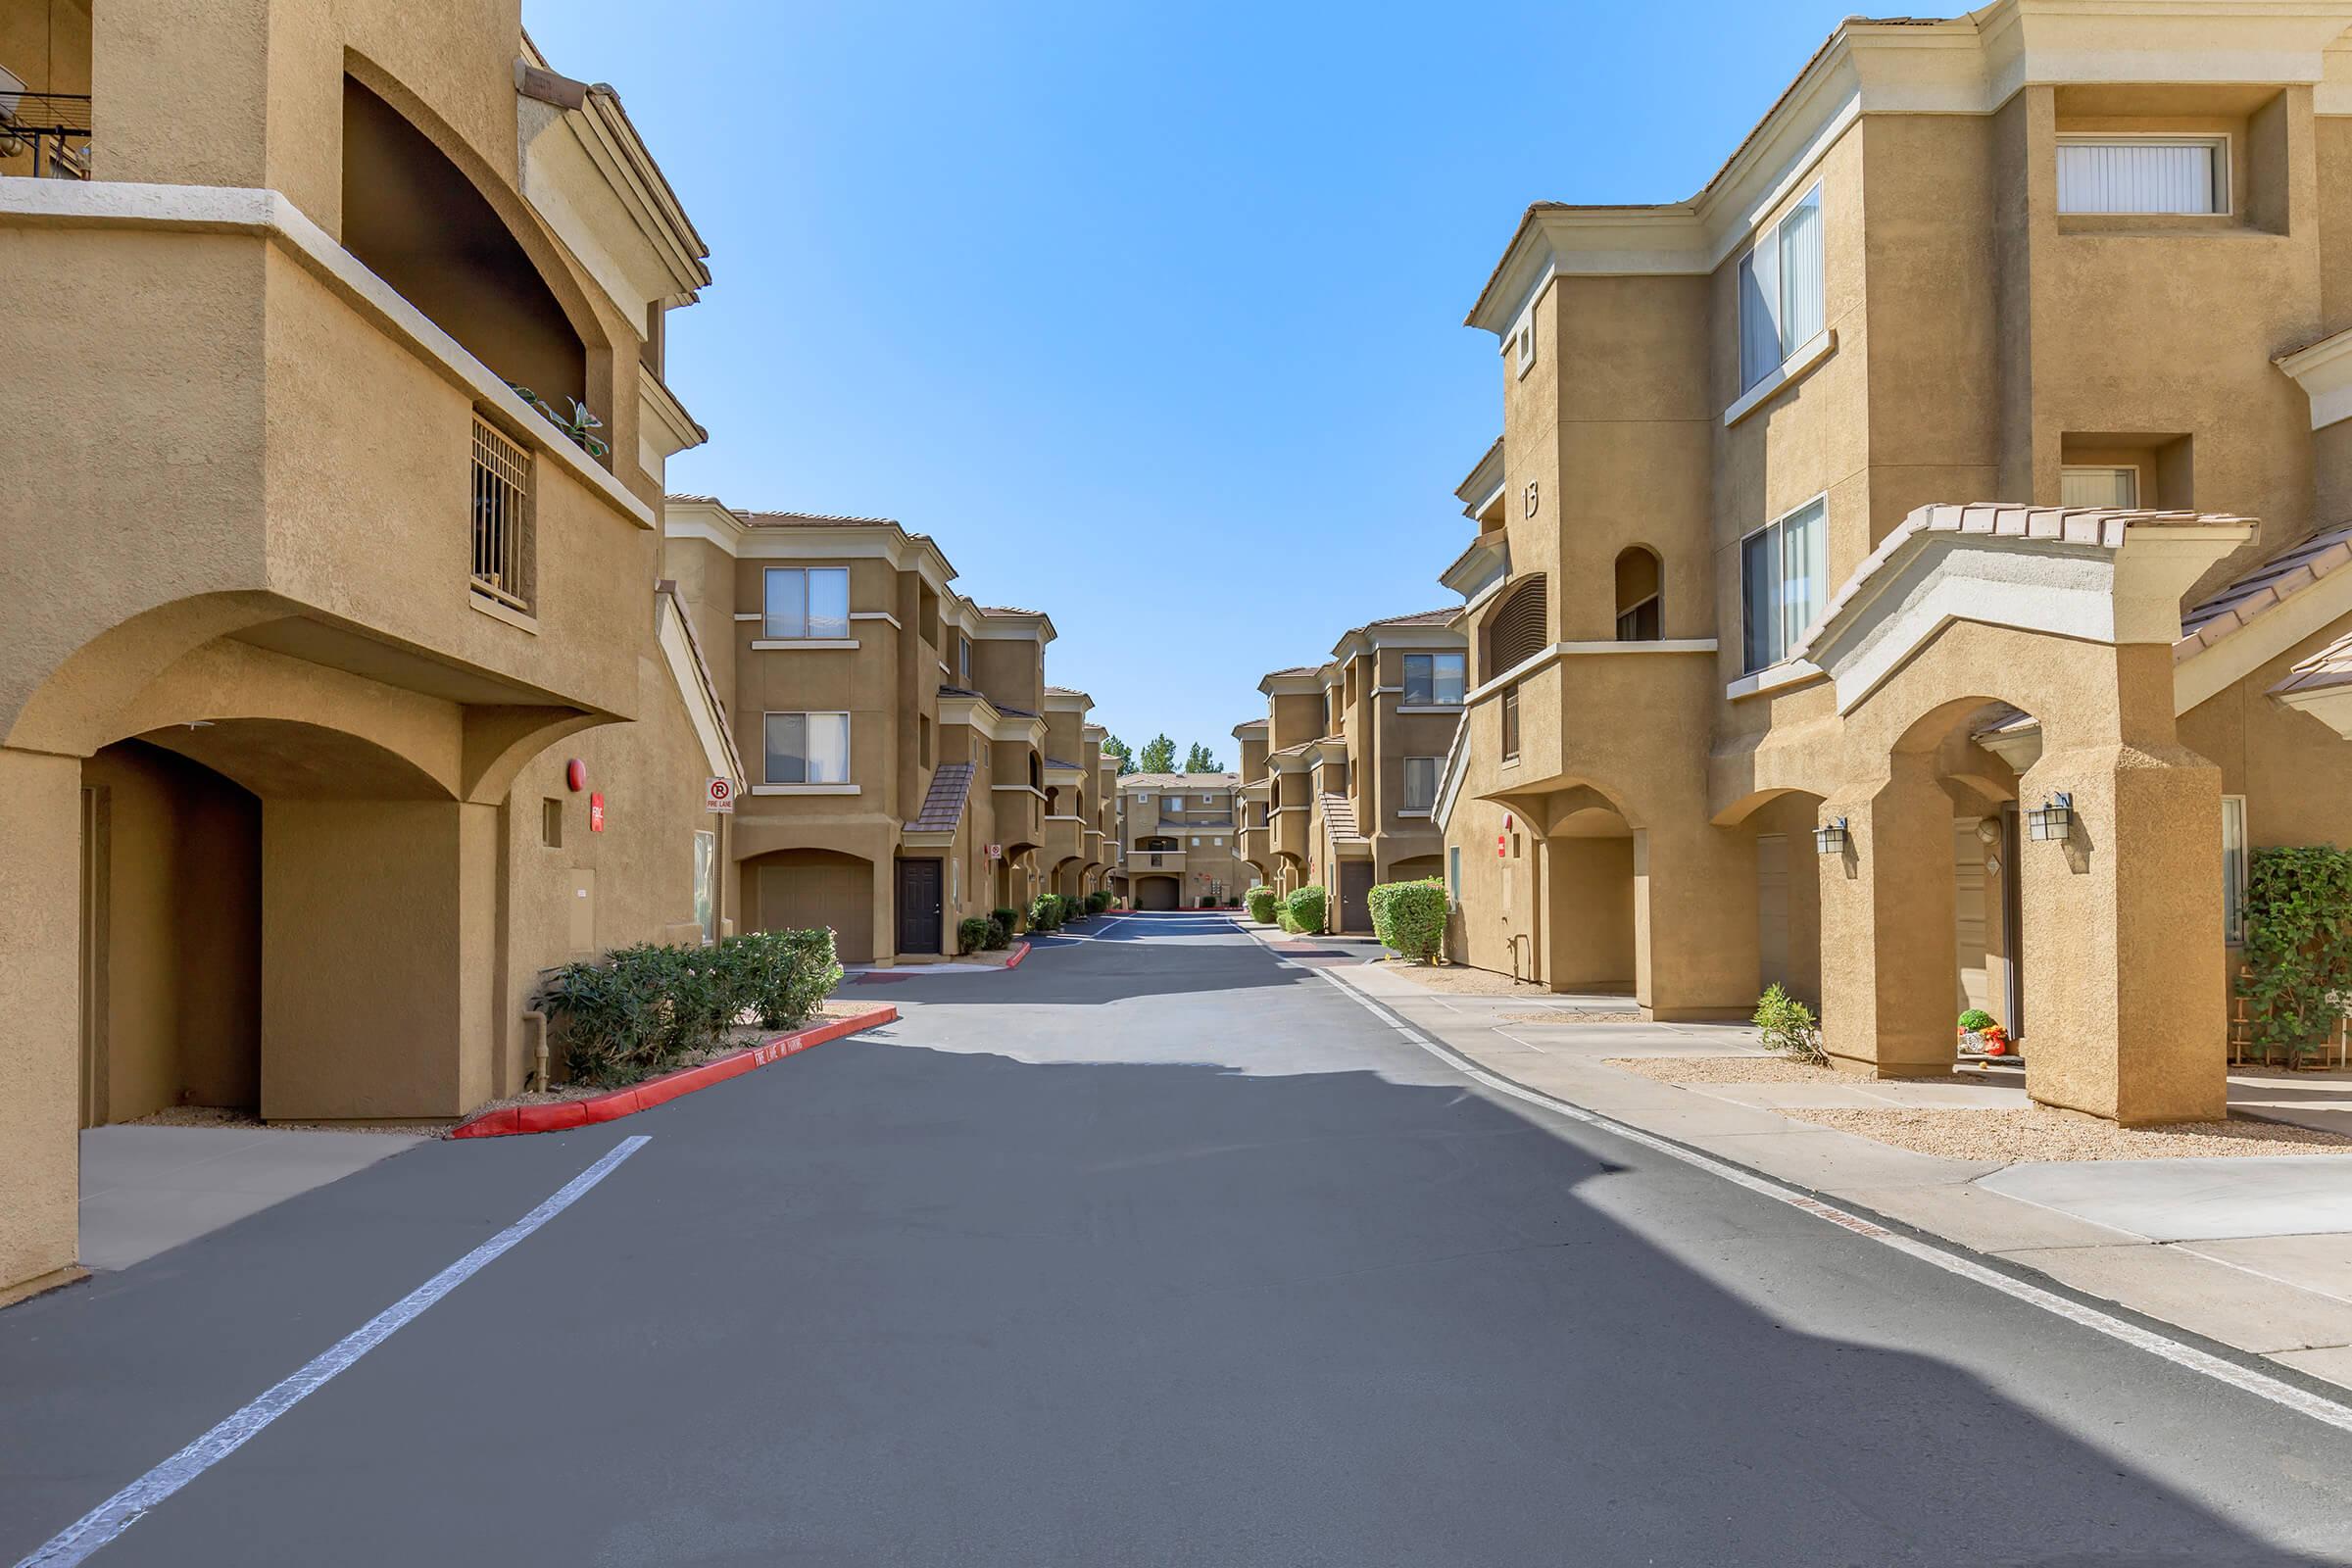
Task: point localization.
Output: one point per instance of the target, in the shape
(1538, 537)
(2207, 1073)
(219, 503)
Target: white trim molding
(779, 645)
(1799, 365)
(805, 788)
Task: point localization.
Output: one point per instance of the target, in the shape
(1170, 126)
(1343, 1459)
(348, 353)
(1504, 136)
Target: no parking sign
(718, 795)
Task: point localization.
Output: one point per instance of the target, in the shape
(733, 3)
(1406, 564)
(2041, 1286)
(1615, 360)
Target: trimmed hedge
(1409, 918)
(1306, 907)
(1010, 919)
(1047, 912)
(999, 935)
(1096, 902)
(637, 1011)
(1261, 904)
(971, 933)
(2298, 948)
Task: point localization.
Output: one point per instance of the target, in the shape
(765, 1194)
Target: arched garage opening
(1158, 892)
(799, 890)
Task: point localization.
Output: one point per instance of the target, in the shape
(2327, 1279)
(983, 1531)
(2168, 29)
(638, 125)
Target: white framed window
(1196, 844)
(1783, 581)
(1523, 342)
(1175, 803)
(808, 747)
(2144, 175)
(706, 884)
(963, 660)
(1453, 870)
(2233, 869)
(2098, 485)
(1781, 306)
(1421, 783)
(1216, 843)
(807, 602)
(1434, 680)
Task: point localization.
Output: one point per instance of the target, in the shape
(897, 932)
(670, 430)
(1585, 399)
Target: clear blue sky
(1150, 312)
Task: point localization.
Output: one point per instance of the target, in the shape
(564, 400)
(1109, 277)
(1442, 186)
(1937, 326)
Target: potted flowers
(1981, 1036)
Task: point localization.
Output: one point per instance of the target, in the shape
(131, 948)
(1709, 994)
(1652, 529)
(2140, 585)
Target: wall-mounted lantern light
(2053, 820)
(1832, 838)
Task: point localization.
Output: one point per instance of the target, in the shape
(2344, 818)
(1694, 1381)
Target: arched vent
(1515, 634)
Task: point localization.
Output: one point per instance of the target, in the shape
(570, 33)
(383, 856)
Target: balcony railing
(502, 517)
(54, 127)
(1196, 819)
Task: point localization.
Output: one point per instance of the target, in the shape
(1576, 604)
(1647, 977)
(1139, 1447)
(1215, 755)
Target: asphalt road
(1154, 1250)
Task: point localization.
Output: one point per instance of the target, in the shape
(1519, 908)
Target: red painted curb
(564, 1114)
(1018, 954)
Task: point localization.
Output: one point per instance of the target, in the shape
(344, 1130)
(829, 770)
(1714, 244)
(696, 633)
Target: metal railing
(502, 517)
(53, 126)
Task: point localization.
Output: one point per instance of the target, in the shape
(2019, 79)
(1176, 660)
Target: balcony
(1155, 860)
(43, 135)
(355, 488)
(1196, 819)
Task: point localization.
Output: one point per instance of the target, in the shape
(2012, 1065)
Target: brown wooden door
(1356, 896)
(919, 907)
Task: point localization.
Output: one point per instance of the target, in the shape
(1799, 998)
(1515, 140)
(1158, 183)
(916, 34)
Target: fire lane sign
(718, 795)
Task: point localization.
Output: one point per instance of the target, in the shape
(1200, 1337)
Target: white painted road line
(118, 1513)
(2278, 1391)
(2301, 1400)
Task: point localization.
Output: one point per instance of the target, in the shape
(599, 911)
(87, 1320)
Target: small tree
(1200, 760)
(1160, 754)
(2298, 951)
(1787, 1027)
(1306, 907)
(1113, 745)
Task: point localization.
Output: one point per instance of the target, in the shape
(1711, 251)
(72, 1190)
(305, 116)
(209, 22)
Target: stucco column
(380, 931)
(1889, 961)
(886, 912)
(41, 1013)
(2125, 1000)
(1591, 931)
(1695, 927)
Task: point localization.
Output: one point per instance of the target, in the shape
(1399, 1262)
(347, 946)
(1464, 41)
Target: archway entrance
(1158, 892)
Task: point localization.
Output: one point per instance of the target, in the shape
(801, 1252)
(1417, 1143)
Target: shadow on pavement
(892, 1305)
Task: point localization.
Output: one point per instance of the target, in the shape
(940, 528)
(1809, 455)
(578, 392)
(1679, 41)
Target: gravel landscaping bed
(1458, 979)
(230, 1116)
(1723, 1069)
(2039, 1133)
(1569, 1015)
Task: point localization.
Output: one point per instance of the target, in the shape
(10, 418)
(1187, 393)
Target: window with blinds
(2098, 485)
(2171, 174)
(1784, 582)
(1516, 633)
(1780, 291)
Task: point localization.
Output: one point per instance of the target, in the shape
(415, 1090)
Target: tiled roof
(1419, 617)
(1063, 691)
(1296, 670)
(961, 691)
(1016, 712)
(1055, 761)
(811, 520)
(1480, 463)
(2263, 588)
(1175, 781)
(2103, 526)
(2332, 665)
(1007, 609)
(943, 805)
(1294, 751)
(1339, 816)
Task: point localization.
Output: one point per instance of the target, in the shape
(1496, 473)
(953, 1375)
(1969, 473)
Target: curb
(1018, 954)
(561, 1115)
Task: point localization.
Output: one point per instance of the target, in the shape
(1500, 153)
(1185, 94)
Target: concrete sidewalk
(2253, 1252)
(147, 1189)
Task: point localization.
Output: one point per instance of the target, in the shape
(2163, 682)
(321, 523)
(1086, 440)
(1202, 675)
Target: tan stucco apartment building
(1910, 567)
(1178, 843)
(1343, 772)
(321, 635)
(909, 767)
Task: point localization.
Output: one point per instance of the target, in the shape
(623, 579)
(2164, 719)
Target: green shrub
(1976, 1019)
(1010, 919)
(1096, 902)
(971, 933)
(2298, 951)
(999, 935)
(1409, 918)
(1045, 913)
(1261, 904)
(1306, 907)
(637, 1011)
(1788, 1027)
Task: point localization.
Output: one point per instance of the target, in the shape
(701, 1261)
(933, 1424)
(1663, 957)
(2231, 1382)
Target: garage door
(1155, 893)
(803, 888)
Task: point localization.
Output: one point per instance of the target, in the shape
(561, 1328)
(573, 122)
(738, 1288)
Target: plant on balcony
(2297, 978)
(971, 933)
(1409, 918)
(581, 427)
(1787, 1027)
(1261, 904)
(1306, 907)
